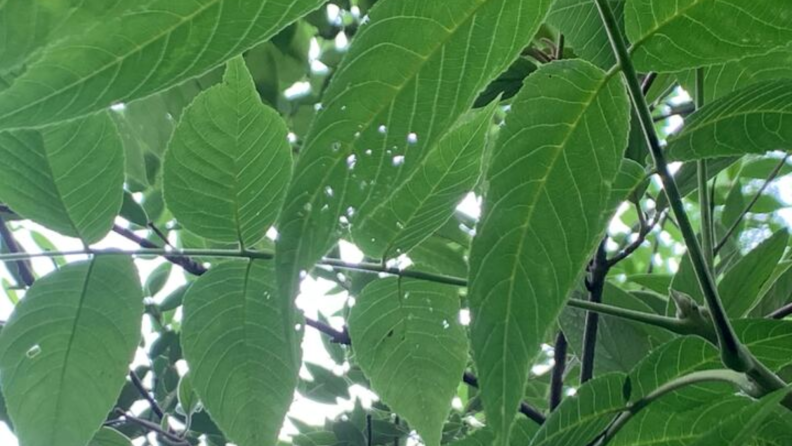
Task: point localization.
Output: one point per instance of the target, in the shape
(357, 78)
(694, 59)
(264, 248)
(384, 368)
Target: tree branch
(525, 408)
(145, 394)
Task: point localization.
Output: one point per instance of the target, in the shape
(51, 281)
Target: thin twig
(169, 436)
(644, 229)
(772, 176)
(781, 313)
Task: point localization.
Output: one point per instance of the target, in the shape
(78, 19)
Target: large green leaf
(242, 343)
(581, 24)
(722, 79)
(770, 341)
(673, 36)
(739, 289)
(737, 429)
(426, 199)
(543, 215)
(139, 53)
(228, 163)
(65, 351)
(756, 119)
(656, 426)
(109, 437)
(580, 418)
(30, 25)
(410, 344)
(382, 120)
(776, 292)
(68, 177)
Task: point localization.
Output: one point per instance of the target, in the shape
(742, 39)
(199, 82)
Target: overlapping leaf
(673, 36)
(723, 79)
(522, 433)
(581, 24)
(228, 163)
(549, 182)
(739, 428)
(770, 341)
(64, 354)
(739, 289)
(658, 427)
(68, 177)
(756, 119)
(409, 343)
(426, 199)
(242, 343)
(139, 53)
(28, 26)
(375, 115)
(580, 418)
(109, 437)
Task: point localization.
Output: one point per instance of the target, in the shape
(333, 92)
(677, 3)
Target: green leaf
(228, 163)
(756, 119)
(109, 437)
(409, 343)
(659, 427)
(157, 279)
(188, 399)
(722, 79)
(544, 213)
(739, 288)
(523, 431)
(242, 343)
(412, 211)
(65, 351)
(581, 24)
(372, 113)
(621, 344)
(776, 292)
(759, 169)
(770, 341)
(132, 211)
(140, 53)
(580, 418)
(737, 429)
(68, 177)
(29, 26)
(325, 387)
(673, 36)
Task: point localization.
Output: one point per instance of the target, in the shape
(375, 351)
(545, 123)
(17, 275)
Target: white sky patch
(297, 90)
(470, 206)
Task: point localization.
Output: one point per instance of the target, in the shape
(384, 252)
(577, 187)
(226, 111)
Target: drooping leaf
(373, 113)
(756, 119)
(325, 387)
(139, 53)
(580, 418)
(659, 427)
(68, 177)
(228, 163)
(188, 399)
(242, 343)
(723, 79)
(409, 343)
(673, 36)
(739, 428)
(109, 437)
(581, 24)
(549, 188)
(739, 288)
(65, 351)
(426, 199)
